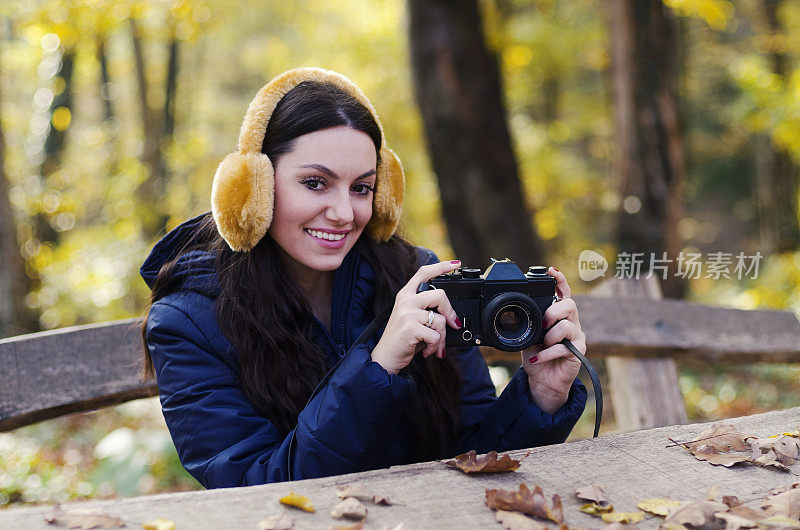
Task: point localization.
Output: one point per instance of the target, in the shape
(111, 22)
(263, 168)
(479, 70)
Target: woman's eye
(363, 189)
(313, 184)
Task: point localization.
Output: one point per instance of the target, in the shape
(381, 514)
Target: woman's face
(323, 197)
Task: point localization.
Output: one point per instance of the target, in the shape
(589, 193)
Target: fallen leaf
(724, 459)
(658, 506)
(83, 519)
(778, 522)
(595, 509)
(695, 513)
(355, 526)
(350, 508)
(400, 526)
(159, 524)
(731, 501)
(713, 492)
(297, 501)
(718, 438)
(518, 521)
(623, 517)
(595, 494)
(282, 521)
(786, 504)
(489, 463)
(735, 522)
(358, 491)
(526, 501)
(781, 489)
(783, 449)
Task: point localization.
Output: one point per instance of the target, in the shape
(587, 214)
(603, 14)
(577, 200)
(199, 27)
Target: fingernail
(455, 261)
(556, 269)
(458, 323)
(533, 359)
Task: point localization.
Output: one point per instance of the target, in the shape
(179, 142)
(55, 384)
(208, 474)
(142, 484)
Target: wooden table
(629, 467)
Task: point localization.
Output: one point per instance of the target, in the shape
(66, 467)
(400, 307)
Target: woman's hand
(551, 367)
(406, 327)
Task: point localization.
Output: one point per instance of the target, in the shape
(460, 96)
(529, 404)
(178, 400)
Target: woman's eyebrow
(331, 174)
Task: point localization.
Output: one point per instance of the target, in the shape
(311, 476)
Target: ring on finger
(431, 315)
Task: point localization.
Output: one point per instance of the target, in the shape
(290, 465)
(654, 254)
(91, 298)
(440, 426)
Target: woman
(252, 304)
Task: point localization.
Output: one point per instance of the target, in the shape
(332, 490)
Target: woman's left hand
(551, 367)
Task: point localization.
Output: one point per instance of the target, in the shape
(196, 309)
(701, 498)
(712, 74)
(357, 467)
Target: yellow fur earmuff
(242, 195)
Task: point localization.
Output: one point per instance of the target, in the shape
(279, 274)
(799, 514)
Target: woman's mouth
(327, 239)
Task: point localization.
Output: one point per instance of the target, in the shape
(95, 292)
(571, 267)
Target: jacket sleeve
(512, 420)
(223, 442)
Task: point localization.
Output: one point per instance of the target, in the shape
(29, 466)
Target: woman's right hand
(406, 329)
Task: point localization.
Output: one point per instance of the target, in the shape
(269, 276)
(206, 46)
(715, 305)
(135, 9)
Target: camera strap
(598, 390)
(380, 320)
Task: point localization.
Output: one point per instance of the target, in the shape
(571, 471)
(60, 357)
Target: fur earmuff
(242, 195)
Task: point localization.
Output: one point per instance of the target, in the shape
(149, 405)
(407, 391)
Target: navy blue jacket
(355, 423)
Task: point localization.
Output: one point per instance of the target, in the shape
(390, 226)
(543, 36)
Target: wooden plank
(52, 373)
(648, 328)
(629, 467)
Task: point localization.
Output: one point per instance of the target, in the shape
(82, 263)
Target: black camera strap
(381, 319)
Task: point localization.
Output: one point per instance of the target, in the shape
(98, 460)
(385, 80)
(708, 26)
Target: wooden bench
(53, 373)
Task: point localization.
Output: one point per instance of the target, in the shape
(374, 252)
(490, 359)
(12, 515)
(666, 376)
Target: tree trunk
(14, 283)
(648, 160)
(783, 173)
(458, 89)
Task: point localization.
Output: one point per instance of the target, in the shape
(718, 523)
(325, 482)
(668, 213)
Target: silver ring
(431, 314)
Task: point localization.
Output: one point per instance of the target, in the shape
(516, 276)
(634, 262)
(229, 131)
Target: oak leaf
(718, 438)
(489, 463)
(531, 502)
(786, 504)
(282, 521)
(350, 508)
(297, 501)
(358, 491)
(595, 494)
(159, 524)
(658, 506)
(695, 513)
(623, 517)
(518, 521)
(83, 519)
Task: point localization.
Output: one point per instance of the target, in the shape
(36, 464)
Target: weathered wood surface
(644, 392)
(53, 373)
(630, 467)
(683, 330)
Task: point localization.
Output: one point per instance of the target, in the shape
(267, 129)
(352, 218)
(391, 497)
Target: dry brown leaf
(595, 494)
(786, 504)
(282, 521)
(355, 526)
(159, 524)
(735, 522)
(718, 438)
(623, 517)
(782, 449)
(695, 513)
(350, 508)
(518, 521)
(658, 506)
(297, 501)
(83, 519)
(489, 463)
(399, 526)
(526, 501)
(781, 489)
(358, 491)
(724, 459)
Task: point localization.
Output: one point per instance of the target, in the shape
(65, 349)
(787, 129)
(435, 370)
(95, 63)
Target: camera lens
(513, 321)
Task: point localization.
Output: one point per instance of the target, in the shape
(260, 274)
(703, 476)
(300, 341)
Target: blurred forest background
(532, 129)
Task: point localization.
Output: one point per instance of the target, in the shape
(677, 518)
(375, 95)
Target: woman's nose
(340, 211)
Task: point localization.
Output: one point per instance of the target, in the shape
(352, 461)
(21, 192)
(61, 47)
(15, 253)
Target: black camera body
(502, 308)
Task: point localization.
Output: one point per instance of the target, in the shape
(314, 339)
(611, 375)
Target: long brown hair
(268, 320)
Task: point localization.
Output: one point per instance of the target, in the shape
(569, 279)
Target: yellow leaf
(658, 506)
(159, 524)
(595, 509)
(623, 517)
(297, 501)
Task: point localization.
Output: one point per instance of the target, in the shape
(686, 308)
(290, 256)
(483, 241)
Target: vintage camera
(503, 308)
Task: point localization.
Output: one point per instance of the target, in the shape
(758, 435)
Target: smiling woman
(254, 303)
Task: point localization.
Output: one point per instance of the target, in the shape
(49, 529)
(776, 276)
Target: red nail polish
(455, 261)
(533, 359)
(458, 323)
(556, 269)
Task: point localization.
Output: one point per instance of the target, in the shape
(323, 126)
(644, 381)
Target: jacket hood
(194, 270)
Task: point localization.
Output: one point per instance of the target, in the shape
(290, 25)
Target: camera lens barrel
(511, 321)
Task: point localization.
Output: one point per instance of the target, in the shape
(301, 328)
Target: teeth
(326, 235)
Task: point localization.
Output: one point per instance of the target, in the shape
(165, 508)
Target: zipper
(343, 328)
